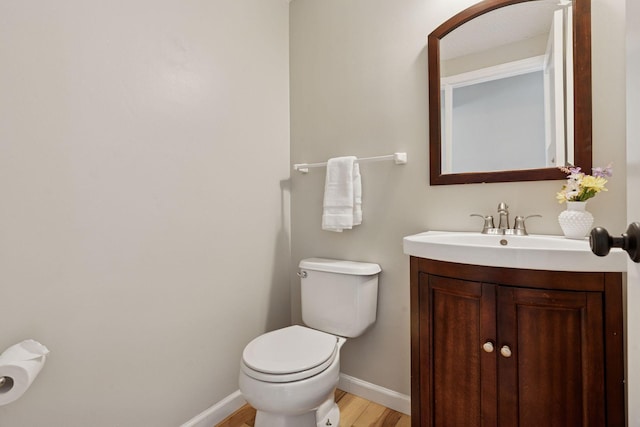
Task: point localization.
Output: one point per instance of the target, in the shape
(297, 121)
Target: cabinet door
(554, 375)
(458, 377)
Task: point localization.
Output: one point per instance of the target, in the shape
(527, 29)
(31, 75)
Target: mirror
(510, 92)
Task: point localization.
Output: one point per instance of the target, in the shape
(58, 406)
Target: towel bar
(398, 158)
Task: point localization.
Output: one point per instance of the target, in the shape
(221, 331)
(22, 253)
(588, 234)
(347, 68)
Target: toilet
(290, 375)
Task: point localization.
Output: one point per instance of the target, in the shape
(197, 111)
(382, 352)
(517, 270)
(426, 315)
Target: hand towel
(342, 207)
(357, 195)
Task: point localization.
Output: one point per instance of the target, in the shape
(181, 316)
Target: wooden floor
(354, 412)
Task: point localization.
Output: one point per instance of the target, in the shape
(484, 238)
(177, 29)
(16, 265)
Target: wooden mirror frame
(582, 99)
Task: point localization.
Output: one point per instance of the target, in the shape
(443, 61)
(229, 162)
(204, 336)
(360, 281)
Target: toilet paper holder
(2, 381)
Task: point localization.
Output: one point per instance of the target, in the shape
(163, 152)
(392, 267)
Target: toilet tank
(339, 297)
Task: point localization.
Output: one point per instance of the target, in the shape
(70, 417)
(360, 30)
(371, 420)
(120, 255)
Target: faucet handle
(519, 225)
(488, 222)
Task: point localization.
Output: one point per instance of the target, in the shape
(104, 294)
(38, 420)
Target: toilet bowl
(290, 375)
(303, 397)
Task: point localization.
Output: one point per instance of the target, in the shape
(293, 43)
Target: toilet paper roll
(20, 364)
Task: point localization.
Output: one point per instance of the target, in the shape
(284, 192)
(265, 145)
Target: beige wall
(359, 87)
(143, 219)
(522, 49)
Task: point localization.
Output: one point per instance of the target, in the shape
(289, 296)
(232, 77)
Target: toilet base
(328, 414)
(266, 419)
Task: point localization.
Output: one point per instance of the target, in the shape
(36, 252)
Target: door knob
(601, 242)
(488, 347)
(505, 351)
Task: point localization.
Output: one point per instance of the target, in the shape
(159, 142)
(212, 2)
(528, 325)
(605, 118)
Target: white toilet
(290, 375)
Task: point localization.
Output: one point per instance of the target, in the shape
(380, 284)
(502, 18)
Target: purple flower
(570, 170)
(606, 172)
(575, 170)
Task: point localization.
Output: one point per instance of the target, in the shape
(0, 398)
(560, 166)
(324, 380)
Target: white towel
(342, 195)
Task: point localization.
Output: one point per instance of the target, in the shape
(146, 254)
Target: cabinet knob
(488, 347)
(505, 351)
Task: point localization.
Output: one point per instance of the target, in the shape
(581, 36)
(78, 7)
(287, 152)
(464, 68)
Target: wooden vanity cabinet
(507, 347)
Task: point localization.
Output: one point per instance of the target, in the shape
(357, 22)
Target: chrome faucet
(503, 211)
(503, 223)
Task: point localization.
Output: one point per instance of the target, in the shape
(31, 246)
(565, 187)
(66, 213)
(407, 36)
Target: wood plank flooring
(354, 412)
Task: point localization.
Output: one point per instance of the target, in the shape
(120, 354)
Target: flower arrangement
(580, 186)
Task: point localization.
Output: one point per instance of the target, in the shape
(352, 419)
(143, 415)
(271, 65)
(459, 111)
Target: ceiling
(501, 26)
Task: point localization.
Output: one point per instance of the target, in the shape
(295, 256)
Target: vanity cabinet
(495, 346)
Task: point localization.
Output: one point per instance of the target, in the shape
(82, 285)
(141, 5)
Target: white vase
(575, 221)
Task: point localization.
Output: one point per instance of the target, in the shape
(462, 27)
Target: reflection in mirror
(502, 82)
(502, 75)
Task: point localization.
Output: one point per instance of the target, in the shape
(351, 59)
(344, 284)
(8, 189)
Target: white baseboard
(383, 396)
(218, 412)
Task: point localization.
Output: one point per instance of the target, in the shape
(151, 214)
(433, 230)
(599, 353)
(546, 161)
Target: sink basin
(538, 252)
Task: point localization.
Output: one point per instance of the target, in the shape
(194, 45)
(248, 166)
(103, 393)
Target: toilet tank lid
(340, 266)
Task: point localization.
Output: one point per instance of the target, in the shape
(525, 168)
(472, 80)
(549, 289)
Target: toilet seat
(290, 354)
